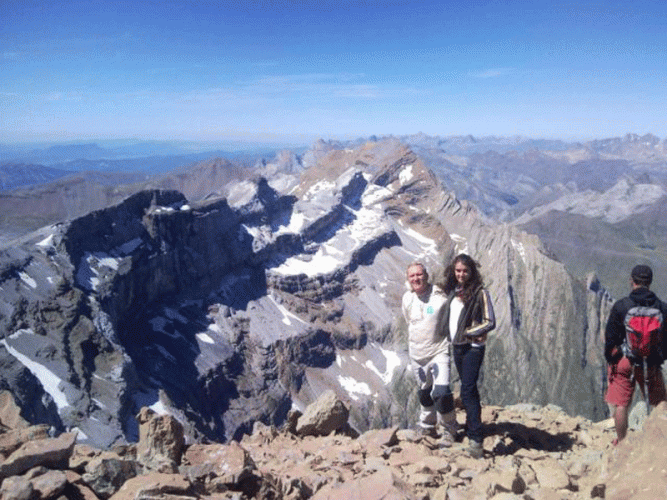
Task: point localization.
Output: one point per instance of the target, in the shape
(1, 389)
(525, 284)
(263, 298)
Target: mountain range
(254, 294)
(597, 204)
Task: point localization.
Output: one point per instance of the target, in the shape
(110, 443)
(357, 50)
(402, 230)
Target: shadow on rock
(513, 436)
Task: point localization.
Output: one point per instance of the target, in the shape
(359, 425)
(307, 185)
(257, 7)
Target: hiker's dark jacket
(615, 331)
(476, 320)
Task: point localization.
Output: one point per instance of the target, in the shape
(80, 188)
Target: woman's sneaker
(475, 449)
(453, 429)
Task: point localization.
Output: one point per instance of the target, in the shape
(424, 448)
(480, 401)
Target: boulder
(16, 488)
(155, 485)
(551, 474)
(52, 452)
(325, 415)
(48, 483)
(161, 441)
(10, 412)
(12, 440)
(106, 473)
(225, 464)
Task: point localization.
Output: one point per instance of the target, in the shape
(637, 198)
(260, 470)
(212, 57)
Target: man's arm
(614, 335)
(405, 305)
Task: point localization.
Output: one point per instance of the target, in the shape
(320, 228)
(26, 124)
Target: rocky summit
(226, 311)
(530, 453)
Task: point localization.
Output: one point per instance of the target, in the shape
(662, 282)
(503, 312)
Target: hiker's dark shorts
(622, 384)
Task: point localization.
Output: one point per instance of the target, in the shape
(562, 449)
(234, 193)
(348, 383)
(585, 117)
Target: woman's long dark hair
(474, 282)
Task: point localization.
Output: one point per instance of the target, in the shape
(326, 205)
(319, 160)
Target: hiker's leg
(621, 421)
(656, 385)
(475, 358)
(468, 363)
(442, 392)
(427, 415)
(619, 394)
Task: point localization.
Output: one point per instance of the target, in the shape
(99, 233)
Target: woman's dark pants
(468, 360)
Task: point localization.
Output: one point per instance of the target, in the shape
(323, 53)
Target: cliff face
(224, 312)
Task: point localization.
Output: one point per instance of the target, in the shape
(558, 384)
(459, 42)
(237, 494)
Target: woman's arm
(488, 317)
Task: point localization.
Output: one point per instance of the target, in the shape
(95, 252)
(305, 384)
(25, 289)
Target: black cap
(642, 274)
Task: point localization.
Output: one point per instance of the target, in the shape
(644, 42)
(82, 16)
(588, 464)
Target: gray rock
(322, 417)
(106, 474)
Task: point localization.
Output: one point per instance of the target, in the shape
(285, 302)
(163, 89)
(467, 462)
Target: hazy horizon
(283, 72)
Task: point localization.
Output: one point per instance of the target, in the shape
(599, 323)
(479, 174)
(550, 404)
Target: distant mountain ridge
(511, 180)
(57, 154)
(16, 175)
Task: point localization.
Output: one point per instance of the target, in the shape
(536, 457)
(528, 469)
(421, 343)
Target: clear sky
(266, 70)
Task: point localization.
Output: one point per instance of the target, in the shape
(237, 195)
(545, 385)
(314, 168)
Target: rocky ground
(530, 452)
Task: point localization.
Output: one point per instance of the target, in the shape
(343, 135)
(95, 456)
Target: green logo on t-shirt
(429, 310)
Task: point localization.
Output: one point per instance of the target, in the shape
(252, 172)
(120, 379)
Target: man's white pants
(433, 373)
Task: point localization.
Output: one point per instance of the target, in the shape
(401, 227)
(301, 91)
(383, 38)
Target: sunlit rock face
(228, 311)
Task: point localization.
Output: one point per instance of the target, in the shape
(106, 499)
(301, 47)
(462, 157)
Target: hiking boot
(446, 440)
(453, 428)
(475, 449)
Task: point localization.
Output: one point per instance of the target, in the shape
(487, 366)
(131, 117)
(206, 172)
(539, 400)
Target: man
(429, 353)
(626, 364)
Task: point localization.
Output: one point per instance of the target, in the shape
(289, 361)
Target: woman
(467, 319)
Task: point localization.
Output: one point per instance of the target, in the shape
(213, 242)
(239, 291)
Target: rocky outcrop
(529, 452)
(644, 451)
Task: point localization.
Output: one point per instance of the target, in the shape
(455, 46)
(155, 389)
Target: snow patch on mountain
(364, 372)
(49, 380)
(28, 280)
(461, 243)
(417, 244)
(368, 223)
(406, 175)
(288, 316)
(518, 246)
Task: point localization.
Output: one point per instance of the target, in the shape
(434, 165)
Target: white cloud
(493, 73)
(71, 96)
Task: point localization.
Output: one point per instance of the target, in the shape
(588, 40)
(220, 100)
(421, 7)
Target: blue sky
(278, 70)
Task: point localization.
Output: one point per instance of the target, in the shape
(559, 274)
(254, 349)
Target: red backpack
(643, 337)
(643, 332)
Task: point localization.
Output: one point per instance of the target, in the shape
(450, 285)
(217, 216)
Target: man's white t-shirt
(421, 314)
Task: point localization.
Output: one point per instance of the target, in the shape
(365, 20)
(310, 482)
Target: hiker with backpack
(635, 348)
(466, 319)
(429, 354)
